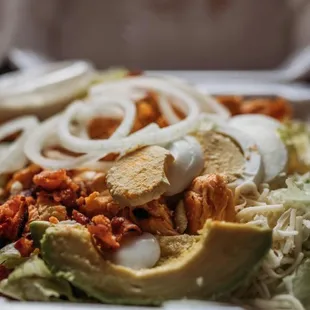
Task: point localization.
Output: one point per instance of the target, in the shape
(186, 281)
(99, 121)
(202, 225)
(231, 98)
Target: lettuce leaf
(301, 283)
(296, 137)
(32, 280)
(10, 257)
(296, 195)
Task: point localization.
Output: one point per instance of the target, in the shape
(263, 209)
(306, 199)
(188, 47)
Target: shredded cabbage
(10, 257)
(296, 136)
(33, 281)
(280, 281)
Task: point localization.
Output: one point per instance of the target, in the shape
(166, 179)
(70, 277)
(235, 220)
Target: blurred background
(155, 34)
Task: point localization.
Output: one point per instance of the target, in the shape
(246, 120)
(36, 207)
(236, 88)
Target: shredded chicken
(278, 108)
(154, 217)
(64, 190)
(102, 127)
(208, 198)
(33, 214)
(92, 180)
(101, 229)
(80, 218)
(24, 246)
(13, 214)
(99, 204)
(54, 180)
(147, 112)
(66, 197)
(232, 103)
(122, 227)
(46, 208)
(24, 176)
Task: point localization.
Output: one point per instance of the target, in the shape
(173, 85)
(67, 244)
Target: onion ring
(44, 136)
(167, 110)
(164, 135)
(207, 103)
(13, 158)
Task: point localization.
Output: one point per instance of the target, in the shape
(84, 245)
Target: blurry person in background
(165, 34)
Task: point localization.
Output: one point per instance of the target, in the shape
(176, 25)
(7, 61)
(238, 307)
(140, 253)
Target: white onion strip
(164, 135)
(16, 125)
(167, 110)
(105, 107)
(206, 103)
(43, 137)
(13, 158)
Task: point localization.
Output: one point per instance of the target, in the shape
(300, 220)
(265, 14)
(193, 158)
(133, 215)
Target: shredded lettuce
(296, 195)
(32, 280)
(299, 283)
(10, 257)
(296, 136)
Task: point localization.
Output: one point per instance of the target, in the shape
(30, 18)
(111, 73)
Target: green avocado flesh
(216, 262)
(37, 230)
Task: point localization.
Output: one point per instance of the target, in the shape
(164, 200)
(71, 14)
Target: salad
(145, 190)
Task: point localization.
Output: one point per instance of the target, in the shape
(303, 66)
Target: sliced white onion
(104, 107)
(14, 157)
(207, 103)
(164, 135)
(16, 125)
(4, 146)
(167, 110)
(80, 129)
(93, 165)
(44, 137)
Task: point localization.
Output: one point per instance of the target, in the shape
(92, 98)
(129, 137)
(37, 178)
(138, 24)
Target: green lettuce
(32, 280)
(10, 257)
(296, 137)
(296, 195)
(299, 283)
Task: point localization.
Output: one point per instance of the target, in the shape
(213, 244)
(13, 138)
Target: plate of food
(145, 191)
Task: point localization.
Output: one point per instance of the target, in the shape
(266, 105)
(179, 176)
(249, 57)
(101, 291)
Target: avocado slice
(37, 230)
(225, 254)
